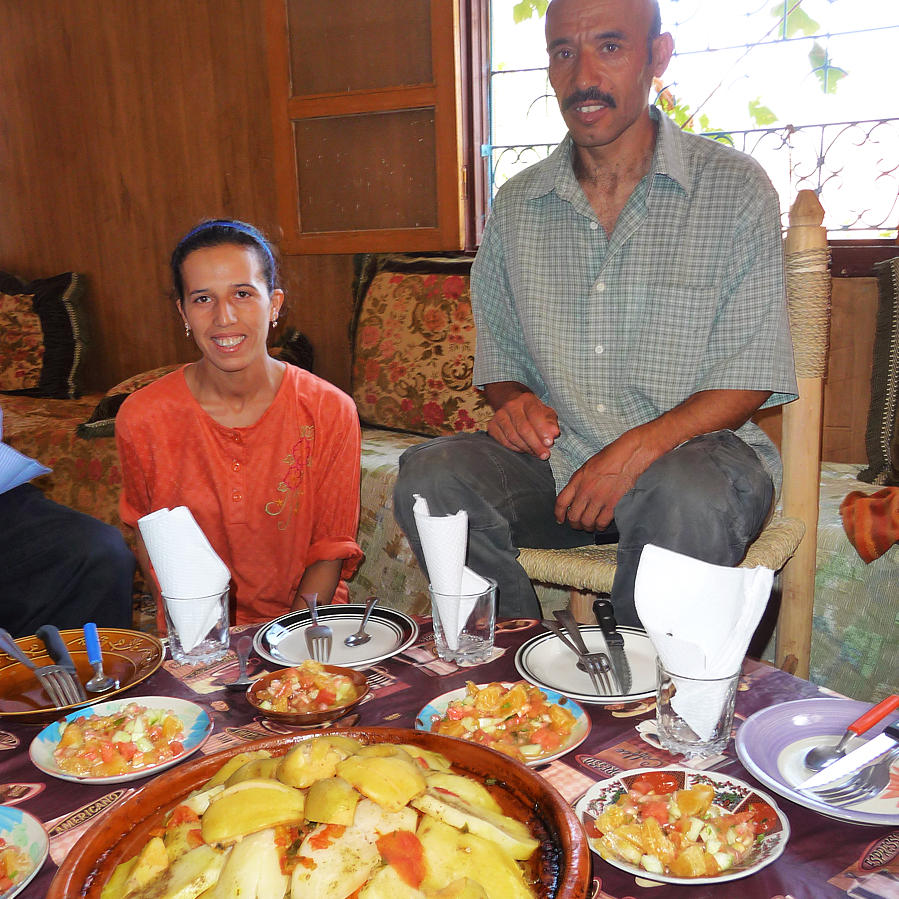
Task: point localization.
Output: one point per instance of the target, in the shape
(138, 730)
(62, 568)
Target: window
(802, 85)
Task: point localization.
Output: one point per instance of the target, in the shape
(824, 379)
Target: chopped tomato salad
(307, 688)
(109, 745)
(15, 865)
(665, 830)
(516, 720)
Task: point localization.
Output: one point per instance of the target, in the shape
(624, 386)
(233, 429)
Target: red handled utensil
(820, 757)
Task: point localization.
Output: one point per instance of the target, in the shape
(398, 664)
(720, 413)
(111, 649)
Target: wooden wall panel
(124, 124)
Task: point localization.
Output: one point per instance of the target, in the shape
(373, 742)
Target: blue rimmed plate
(27, 834)
(436, 708)
(196, 722)
(283, 641)
(731, 794)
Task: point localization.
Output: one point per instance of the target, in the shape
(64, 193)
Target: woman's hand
(320, 577)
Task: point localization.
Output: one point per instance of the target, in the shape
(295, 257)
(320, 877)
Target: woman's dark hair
(217, 232)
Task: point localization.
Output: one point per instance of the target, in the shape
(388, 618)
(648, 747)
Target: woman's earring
(186, 329)
(275, 322)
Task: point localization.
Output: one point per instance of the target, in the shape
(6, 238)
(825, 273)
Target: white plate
(773, 742)
(20, 829)
(283, 641)
(438, 706)
(197, 727)
(547, 662)
(731, 794)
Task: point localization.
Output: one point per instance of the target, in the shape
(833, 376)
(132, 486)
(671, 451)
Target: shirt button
(600, 407)
(235, 465)
(235, 437)
(237, 496)
(593, 226)
(599, 349)
(601, 286)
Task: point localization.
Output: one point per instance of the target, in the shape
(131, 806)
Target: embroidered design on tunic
(291, 487)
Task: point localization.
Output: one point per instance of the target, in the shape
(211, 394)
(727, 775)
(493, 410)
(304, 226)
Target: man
(57, 566)
(629, 302)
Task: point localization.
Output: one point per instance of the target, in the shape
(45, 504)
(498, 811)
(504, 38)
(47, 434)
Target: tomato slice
(763, 816)
(403, 851)
(657, 809)
(661, 782)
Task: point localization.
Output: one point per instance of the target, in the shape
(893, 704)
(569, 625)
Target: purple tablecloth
(824, 857)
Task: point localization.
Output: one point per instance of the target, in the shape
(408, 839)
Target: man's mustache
(591, 94)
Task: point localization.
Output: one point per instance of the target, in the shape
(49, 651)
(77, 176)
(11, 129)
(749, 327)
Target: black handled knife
(605, 618)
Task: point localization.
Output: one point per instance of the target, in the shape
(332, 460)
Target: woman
(264, 454)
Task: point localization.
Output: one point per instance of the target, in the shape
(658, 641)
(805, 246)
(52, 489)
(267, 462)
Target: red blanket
(871, 522)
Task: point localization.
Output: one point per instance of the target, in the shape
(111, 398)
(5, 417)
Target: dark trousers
(708, 499)
(59, 566)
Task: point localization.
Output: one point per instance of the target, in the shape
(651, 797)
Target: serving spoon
(243, 653)
(361, 636)
(819, 757)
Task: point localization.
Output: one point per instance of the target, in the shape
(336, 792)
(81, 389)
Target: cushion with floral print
(413, 351)
(23, 342)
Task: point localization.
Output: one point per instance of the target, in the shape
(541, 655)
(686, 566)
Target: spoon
(821, 756)
(100, 682)
(243, 653)
(360, 636)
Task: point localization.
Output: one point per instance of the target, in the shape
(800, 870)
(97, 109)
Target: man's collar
(667, 160)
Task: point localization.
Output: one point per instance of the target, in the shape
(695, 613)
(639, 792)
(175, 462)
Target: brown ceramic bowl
(309, 719)
(560, 867)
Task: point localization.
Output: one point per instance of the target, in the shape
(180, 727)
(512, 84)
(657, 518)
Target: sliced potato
(115, 886)
(463, 888)
(188, 877)
(151, 862)
(199, 802)
(387, 884)
(257, 769)
(435, 761)
(233, 763)
(331, 800)
(310, 761)
(390, 781)
(370, 818)
(253, 870)
(511, 835)
(465, 788)
(335, 870)
(251, 806)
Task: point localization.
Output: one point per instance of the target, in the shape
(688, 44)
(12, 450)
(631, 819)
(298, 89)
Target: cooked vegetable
(307, 688)
(15, 865)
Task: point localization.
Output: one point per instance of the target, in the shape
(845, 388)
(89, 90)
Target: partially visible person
(57, 566)
(264, 454)
(630, 308)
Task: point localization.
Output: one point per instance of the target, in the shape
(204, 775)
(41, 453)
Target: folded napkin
(700, 619)
(187, 567)
(871, 522)
(444, 543)
(16, 469)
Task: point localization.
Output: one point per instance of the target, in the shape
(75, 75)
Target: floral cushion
(23, 342)
(42, 360)
(413, 353)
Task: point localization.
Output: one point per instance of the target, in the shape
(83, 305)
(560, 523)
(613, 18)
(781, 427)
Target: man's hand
(521, 422)
(588, 500)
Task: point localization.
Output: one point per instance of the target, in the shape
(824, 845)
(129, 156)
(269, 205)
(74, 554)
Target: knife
(605, 618)
(569, 622)
(50, 636)
(855, 760)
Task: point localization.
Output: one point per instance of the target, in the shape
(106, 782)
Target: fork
(58, 684)
(569, 622)
(865, 784)
(318, 636)
(592, 662)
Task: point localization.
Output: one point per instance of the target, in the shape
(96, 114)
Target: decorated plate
(197, 727)
(27, 834)
(732, 795)
(547, 662)
(283, 641)
(424, 720)
(773, 742)
(129, 656)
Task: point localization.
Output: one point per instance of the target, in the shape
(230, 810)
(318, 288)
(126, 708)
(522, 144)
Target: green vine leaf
(829, 76)
(761, 115)
(527, 8)
(797, 19)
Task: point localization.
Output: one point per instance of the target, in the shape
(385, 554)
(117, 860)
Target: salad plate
(283, 641)
(773, 742)
(196, 723)
(128, 656)
(732, 795)
(437, 707)
(24, 832)
(546, 661)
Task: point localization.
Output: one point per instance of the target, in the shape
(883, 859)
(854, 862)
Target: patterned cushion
(882, 431)
(413, 349)
(23, 342)
(42, 360)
